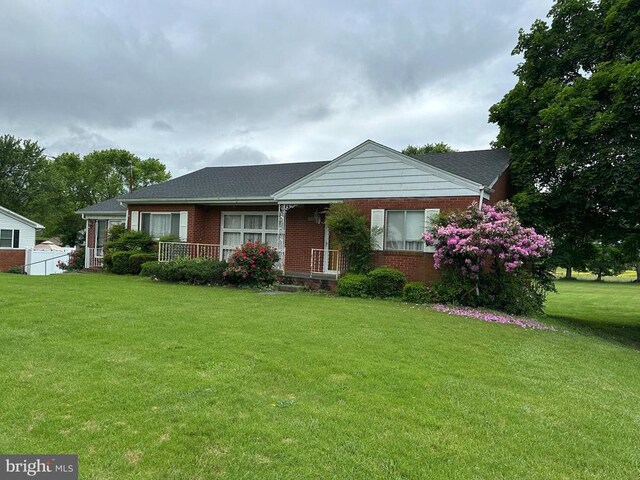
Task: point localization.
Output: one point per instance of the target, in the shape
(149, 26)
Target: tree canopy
(51, 189)
(572, 122)
(22, 173)
(439, 147)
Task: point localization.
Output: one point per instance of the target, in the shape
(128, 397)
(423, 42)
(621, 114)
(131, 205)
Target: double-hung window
(239, 228)
(9, 238)
(404, 230)
(160, 224)
(401, 230)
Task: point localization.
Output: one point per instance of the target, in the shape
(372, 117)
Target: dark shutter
(16, 238)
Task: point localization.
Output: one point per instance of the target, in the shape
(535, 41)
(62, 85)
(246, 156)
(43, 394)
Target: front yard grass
(149, 380)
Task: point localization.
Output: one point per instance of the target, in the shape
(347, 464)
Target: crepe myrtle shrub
(251, 265)
(488, 259)
(352, 235)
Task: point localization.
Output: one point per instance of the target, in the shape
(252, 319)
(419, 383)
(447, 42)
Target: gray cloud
(302, 80)
(242, 155)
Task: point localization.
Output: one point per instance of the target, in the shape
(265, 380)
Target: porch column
(282, 222)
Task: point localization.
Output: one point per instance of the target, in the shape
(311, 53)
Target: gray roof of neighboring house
(480, 166)
(249, 181)
(108, 206)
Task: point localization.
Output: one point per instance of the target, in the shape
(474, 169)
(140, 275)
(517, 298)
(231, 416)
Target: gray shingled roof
(108, 206)
(250, 181)
(480, 166)
(262, 181)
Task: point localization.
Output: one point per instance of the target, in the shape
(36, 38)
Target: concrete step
(289, 288)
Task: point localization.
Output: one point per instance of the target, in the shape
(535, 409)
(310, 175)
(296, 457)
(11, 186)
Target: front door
(330, 257)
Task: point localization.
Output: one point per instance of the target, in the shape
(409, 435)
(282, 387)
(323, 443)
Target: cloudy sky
(204, 83)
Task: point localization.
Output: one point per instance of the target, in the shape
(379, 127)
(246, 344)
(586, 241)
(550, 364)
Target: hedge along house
(216, 209)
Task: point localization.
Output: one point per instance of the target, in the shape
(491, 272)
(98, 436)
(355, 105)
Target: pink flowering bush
(489, 259)
(252, 265)
(76, 261)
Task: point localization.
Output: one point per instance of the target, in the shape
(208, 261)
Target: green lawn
(157, 381)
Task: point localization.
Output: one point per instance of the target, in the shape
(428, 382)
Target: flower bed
(493, 317)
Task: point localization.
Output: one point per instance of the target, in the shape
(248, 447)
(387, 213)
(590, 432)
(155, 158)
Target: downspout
(481, 199)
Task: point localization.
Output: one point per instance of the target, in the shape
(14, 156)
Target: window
(160, 224)
(9, 238)
(101, 233)
(404, 230)
(239, 228)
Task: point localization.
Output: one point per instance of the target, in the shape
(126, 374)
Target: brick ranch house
(215, 209)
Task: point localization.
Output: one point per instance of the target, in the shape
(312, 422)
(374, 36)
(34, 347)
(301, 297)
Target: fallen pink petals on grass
(493, 317)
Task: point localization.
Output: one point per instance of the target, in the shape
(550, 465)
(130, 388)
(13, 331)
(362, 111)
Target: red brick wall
(204, 220)
(303, 234)
(91, 234)
(10, 257)
(502, 188)
(417, 266)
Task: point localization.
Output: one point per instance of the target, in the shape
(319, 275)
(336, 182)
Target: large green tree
(22, 175)
(439, 147)
(572, 122)
(76, 182)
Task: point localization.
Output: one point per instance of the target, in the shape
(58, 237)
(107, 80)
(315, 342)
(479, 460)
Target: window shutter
(134, 221)
(16, 239)
(377, 222)
(184, 219)
(429, 213)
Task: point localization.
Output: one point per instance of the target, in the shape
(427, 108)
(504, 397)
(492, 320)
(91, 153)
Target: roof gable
(371, 170)
(19, 218)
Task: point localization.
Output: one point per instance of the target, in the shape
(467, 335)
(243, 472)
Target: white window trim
(13, 237)
(155, 213)
(242, 230)
(404, 241)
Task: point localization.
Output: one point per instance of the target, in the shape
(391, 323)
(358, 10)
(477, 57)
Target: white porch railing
(93, 258)
(330, 262)
(168, 251)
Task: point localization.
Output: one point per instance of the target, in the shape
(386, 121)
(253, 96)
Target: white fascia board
(371, 145)
(20, 218)
(200, 201)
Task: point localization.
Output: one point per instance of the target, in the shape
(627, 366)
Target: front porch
(323, 263)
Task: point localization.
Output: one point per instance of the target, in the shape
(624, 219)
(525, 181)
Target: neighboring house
(215, 209)
(99, 219)
(17, 233)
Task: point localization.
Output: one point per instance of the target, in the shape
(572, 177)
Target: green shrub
(15, 270)
(415, 292)
(137, 259)
(196, 271)
(252, 265)
(386, 282)
(116, 231)
(352, 235)
(139, 242)
(353, 285)
(151, 269)
(169, 238)
(120, 263)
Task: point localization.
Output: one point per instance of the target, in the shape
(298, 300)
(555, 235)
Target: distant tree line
(50, 190)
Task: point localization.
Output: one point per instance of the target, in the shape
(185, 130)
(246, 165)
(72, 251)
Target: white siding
(27, 233)
(373, 174)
